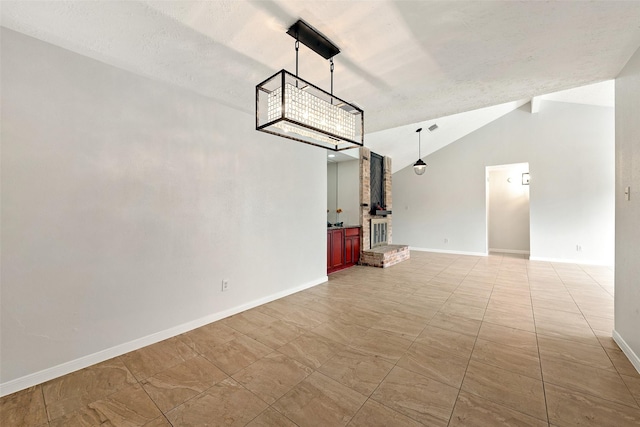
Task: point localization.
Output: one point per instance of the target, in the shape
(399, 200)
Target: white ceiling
(403, 62)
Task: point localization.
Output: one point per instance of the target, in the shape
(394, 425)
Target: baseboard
(631, 355)
(572, 261)
(509, 251)
(445, 251)
(109, 353)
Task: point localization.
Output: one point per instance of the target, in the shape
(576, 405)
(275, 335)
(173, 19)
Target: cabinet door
(348, 250)
(329, 249)
(355, 243)
(337, 248)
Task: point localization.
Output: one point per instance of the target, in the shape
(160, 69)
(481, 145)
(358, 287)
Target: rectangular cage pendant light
(293, 108)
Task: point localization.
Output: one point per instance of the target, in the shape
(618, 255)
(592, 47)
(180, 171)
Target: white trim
(118, 350)
(572, 261)
(509, 251)
(445, 251)
(631, 355)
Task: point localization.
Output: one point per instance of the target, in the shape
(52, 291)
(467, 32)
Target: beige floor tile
(434, 293)
(276, 334)
(295, 314)
(157, 357)
(311, 349)
(247, 321)
(474, 411)
(158, 422)
(359, 316)
(320, 401)
(586, 379)
(518, 319)
(604, 324)
(329, 306)
(357, 370)
(237, 354)
(130, 406)
(430, 361)
(408, 326)
(226, 403)
(383, 344)
(557, 348)
(302, 298)
(547, 316)
(341, 332)
(418, 397)
(464, 325)
(580, 334)
(502, 301)
(24, 408)
(524, 340)
(272, 376)
(553, 299)
(513, 359)
(571, 408)
(203, 339)
(176, 385)
(413, 309)
(373, 414)
(621, 362)
(606, 341)
(271, 418)
(633, 384)
(457, 343)
(517, 392)
(442, 284)
(463, 310)
(74, 391)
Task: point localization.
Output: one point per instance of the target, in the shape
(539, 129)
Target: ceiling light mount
(313, 39)
(420, 166)
(291, 107)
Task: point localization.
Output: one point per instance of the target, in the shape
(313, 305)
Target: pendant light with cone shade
(419, 167)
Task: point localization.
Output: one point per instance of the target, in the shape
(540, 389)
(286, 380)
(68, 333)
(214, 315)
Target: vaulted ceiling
(403, 62)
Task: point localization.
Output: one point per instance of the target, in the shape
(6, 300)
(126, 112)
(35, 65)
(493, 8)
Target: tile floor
(440, 340)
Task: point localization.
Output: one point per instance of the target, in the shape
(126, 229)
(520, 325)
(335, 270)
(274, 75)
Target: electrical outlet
(446, 240)
(578, 248)
(225, 285)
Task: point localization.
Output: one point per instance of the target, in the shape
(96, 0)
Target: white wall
(126, 201)
(508, 211)
(347, 176)
(570, 151)
(627, 271)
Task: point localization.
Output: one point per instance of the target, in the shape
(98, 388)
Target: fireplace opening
(378, 232)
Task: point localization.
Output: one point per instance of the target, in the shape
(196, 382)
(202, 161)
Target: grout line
(544, 388)
(455, 402)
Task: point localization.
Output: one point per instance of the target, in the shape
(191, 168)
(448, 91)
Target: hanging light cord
(297, 48)
(419, 144)
(331, 68)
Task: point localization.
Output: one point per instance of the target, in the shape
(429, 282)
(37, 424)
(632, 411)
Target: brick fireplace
(365, 197)
(377, 224)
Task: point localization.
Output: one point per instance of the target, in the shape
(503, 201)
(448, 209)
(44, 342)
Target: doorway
(508, 210)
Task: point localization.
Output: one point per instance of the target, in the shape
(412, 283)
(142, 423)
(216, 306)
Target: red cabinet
(351, 245)
(343, 248)
(336, 252)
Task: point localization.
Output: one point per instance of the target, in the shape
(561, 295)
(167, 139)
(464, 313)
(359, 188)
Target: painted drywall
(343, 192)
(570, 151)
(627, 267)
(508, 210)
(126, 201)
